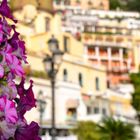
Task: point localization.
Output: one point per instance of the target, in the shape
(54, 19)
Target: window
(88, 28)
(71, 114)
(78, 1)
(97, 83)
(102, 5)
(80, 79)
(67, 2)
(89, 110)
(47, 24)
(108, 84)
(96, 110)
(89, 3)
(66, 42)
(118, 108)
(104, 111)
(65, 75)
(58, 1)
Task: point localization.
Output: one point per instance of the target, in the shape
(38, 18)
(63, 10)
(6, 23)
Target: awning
(87, 100)
(72, 103)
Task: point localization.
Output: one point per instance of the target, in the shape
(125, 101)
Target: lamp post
(42, 106)
(51, 63)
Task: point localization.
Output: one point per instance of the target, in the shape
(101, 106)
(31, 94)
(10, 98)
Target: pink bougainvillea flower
(12, 89)
(8, 110)
(1, 71)
(7, 130)
(1, 37)
(9, 89)
(12, 61)
(15, 66)
(6, 54)
(28, 132)
(27, 100)
(1, 34)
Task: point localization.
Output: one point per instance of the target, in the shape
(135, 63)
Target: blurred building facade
(110, 38)
(82, 4)
(92, 62)
(76, 76)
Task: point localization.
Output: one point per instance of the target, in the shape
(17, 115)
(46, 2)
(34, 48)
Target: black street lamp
(51, 63)
(41, 108)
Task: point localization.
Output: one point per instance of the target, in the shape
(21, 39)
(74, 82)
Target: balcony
(103, 53)
(68, 29)
(93, 117)
(110, 44)
(106, 44)
(115, 56)
(92, 57)
(103, 57)
(118, 69)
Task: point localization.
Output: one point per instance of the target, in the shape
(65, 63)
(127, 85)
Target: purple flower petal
(1, 71)
(8, 109)
(5, 10)
(28, 132)
(18, 45)
(27, 100)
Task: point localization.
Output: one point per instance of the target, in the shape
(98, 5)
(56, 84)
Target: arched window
(101, 5)
(97, 83)
(47, 24)
(89, 3)
(80, 78)
(58, 1)
(66, 42)
(108, 84)
(65, 75)
(67, 2)
(78, 1)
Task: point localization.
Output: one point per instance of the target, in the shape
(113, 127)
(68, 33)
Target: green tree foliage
(114, 4)
(135, 79)
(127, 5)
(86, 131)
(133, 5)
(109, 129)
(116, 130)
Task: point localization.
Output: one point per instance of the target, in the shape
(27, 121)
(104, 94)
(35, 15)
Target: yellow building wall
(37, 36)
(36, 43)
(88, 73)
(74, 62)
(39, 43)
(35, 62)
(119, 103)
(40, 22)
(42, 4)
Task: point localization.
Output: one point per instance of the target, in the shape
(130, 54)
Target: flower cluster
(15, 100)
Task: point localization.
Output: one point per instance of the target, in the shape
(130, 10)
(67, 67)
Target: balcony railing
(107, 44)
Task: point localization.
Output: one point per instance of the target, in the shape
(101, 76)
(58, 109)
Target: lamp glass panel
(43, 105)
(47, 66)
(58, 58)
(53, 46)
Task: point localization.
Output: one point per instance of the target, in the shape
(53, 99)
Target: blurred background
(84, 58)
